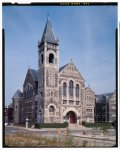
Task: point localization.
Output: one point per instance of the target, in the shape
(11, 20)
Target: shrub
(52, 125)
(97, 125)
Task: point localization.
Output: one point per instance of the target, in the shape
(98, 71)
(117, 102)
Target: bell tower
(48, 76)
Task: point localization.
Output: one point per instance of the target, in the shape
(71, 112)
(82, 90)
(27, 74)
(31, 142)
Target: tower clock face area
(51, 47)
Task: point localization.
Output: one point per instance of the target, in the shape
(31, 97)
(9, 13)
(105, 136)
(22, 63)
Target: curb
(105, 139)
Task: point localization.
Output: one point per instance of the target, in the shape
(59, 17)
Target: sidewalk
(78, 134)
(78, 127)
(100, 137)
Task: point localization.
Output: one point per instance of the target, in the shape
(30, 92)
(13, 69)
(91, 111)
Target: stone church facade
(52, 94)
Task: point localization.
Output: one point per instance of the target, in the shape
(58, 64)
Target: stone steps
(76, 126)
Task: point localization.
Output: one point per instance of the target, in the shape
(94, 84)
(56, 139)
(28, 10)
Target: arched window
(51, 58)
(71, 88)
(64, 89)
(42, 58)
(51, 110)
(40, 110)
(77, 90)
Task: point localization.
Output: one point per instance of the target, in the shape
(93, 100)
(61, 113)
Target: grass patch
(34, 140)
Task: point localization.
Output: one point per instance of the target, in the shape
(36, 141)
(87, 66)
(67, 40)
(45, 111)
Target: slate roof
(61, 68)
(34, 74)
(18, 93)
(107, 95)
(48, 34)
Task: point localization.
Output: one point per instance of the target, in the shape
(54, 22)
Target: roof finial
(48, 16)
(71, 61)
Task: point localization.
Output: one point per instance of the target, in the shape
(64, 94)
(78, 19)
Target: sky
(86, 35)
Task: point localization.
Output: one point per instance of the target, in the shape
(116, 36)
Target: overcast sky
(86, 34)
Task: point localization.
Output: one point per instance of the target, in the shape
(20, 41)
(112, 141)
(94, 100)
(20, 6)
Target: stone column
(67, 92)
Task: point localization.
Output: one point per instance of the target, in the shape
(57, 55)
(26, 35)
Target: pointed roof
(65, 66)
(61, 68)
(48, 34)
(31, 75)
(99, 98)
(88, 88)
(18, 93)
(34, 74)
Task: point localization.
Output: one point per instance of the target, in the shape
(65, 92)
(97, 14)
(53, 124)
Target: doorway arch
(71, 117)
(67, 114)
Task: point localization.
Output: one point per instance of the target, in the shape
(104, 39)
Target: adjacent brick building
(105, 107)
(18, 107)
(8, 113)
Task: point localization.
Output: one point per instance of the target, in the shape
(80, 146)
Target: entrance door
(72, 117)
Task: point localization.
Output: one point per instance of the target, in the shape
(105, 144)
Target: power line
(105, 61)
(97, 77)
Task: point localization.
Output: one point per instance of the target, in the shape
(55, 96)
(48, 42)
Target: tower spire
(48, 34)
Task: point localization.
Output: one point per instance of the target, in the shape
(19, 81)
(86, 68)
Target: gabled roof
(34, 74)
(109, 94)
(48, 34)
(99, 98)
(18, 94)
(61, 68)
(88, 89)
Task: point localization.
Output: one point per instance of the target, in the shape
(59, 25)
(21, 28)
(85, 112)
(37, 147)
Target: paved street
(13, 129)
(52, 132)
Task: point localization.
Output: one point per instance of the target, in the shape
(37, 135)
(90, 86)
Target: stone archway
(71, 117)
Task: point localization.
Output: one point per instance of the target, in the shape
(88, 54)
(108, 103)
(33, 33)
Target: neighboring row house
(112, 107)
(105, 107)
(18, 107)
(8, 114)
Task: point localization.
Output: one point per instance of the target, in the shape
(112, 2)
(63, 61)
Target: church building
(52, 94)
